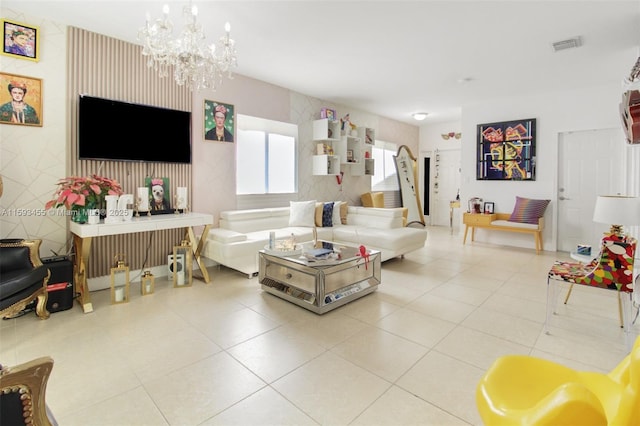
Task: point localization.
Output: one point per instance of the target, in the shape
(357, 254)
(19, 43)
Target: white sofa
(242, 233)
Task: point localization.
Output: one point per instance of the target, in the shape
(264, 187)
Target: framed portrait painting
(219, 121)
(20, 40)
(159, 195)
(507, 150)
(20, 100)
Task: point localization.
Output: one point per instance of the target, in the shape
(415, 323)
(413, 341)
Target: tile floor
(227, 353)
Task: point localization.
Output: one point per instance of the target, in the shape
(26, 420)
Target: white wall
(214, 162)
(32, 159)
(593, 108)
(431, 140)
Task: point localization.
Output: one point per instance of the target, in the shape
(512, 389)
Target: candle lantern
(147, 283)
(119, 280)
(181, 267)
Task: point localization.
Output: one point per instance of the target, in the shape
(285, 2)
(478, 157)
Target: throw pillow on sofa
(302, 213)
(327, 214)
(337, 207)
(339, 215)
(528, 210)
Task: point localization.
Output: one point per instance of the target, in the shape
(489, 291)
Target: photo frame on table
(350, 156)
(25, 92)
(222, 130)
(20, 40)
(159, 195)
(506, 150)
(489, 207)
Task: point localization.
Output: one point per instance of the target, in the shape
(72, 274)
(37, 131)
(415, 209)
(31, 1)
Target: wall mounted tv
(121, 131)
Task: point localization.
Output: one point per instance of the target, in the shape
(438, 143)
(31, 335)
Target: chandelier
(194, 63)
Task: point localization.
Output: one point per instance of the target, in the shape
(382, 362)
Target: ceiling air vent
(567, 44)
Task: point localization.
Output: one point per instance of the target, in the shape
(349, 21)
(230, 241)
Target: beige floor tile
(193, 394)
(369, 309)
(440, 307)
(461, 293)
(518, 307)
(477, 348)
(331, 390)
(277, 352)
(380, 352)
(399, 407)
(152, 357)
(329, 329)
(135, 406)
(504, 326)
(416, 327)
(236, 327)
(445, 382)
(265, 407)
(469, 279)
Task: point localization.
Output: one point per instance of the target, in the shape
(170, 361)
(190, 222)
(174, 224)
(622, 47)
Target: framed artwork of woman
(20, 40)
(219, 121)
(20, 100)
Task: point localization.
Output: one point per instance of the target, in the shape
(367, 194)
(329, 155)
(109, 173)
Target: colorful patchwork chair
(611, 270)
(525, 390)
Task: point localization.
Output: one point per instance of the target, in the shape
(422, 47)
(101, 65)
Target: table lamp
(617, 210)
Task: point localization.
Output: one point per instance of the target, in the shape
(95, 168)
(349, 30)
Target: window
(385, 177)
(266, 160)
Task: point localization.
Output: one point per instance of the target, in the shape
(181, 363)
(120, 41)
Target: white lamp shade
(617, 210)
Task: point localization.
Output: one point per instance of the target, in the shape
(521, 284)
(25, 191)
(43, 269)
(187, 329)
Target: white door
(590, 163)
(447, 170)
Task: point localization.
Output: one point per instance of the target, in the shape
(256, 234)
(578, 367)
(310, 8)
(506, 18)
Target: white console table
(84, 233)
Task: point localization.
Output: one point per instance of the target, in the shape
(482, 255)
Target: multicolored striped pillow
(528, 210)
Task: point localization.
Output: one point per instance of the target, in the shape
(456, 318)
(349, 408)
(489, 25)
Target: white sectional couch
(242, 233)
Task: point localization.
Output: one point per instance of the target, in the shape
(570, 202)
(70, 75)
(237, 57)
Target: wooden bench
(499, 221)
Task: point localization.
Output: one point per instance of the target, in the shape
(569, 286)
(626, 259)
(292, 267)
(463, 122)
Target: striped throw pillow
(528, 210)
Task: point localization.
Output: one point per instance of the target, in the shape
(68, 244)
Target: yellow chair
(524, 390)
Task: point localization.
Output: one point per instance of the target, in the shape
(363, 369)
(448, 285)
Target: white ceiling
(394, 58)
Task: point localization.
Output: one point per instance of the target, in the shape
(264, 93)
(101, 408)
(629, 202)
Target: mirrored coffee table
(320, 285)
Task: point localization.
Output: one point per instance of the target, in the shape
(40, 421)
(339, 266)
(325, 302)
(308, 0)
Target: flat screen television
(121, 131)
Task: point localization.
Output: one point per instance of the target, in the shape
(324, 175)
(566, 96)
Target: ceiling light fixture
(419, 115)
(195, 64)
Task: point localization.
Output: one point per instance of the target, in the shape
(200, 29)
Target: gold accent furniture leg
(197, 250)
(80, 261)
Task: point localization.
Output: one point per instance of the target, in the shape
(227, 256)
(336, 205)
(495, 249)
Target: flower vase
(79, 214)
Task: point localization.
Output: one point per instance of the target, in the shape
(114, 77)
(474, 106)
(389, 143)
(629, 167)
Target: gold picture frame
(20, 100)
(20, 40)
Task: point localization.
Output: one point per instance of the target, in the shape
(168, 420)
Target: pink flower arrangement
(76, 191)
